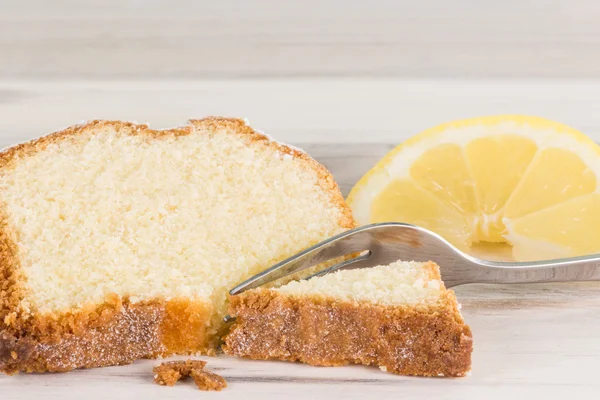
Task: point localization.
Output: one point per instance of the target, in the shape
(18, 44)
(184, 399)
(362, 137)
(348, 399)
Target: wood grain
(530, 341)
(265, 38)
(297, 110)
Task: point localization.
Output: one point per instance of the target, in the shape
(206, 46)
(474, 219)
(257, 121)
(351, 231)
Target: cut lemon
(523, 181)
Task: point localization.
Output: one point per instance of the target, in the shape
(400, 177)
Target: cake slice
(399, 317)
(119, 242)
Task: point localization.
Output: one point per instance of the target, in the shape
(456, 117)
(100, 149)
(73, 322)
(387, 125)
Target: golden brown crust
(206, 380)
(168, 373)
(120, 334)
(11, 279)
(425, 340)
(32, 342)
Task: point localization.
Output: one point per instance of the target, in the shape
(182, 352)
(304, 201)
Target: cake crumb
(207, 380)
(168, 373)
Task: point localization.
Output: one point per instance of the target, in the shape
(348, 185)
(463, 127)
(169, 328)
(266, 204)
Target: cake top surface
(118, 208)
(400, 283)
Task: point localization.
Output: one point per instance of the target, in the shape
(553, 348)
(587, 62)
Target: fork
(384, 243)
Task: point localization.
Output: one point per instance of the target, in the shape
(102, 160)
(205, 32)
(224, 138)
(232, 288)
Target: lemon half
(523, 181)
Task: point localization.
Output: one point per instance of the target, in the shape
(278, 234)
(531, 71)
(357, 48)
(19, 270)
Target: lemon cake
(399, 317)
(119, 242)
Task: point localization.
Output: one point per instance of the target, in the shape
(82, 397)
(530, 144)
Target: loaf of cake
(399, 317)
(119, 242)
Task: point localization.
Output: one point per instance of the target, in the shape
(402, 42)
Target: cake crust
(88, 337)
(423, 340)
(114, 334)
(206, 380)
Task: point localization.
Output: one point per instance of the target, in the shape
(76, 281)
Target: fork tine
(341, 265)
(340, 245)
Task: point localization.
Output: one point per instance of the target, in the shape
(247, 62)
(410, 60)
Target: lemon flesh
(523, 181)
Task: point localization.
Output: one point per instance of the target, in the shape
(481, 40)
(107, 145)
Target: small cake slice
(399, 317)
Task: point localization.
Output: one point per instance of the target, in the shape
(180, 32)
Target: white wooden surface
(264, 38)
(530, 341)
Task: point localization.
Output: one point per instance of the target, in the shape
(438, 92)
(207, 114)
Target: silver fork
(385, 243)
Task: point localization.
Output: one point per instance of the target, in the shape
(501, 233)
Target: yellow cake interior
(110, 212)
(399, 283)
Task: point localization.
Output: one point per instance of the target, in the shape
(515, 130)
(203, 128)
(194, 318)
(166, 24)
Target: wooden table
(530, 341)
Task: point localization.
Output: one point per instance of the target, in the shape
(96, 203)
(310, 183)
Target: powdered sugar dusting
(131, 334)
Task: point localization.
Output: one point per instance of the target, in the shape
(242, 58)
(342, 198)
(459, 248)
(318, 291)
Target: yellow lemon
(523, 181)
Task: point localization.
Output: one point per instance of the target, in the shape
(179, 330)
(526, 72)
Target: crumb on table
(168, 373)
(208, 381)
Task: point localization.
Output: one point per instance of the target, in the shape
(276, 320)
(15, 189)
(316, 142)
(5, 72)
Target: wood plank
(264, 38)
(297, 111)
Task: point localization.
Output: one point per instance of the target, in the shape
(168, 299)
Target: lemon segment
(555, 176)
(431, 172)
(404, 201)
(488, 156)
(570, 227)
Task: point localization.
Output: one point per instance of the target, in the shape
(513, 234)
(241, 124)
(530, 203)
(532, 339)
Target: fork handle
(586, 268)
